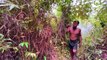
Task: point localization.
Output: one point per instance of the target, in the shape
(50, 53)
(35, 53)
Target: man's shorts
(73, 44)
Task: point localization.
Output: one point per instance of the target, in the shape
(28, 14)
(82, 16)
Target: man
(75, 38)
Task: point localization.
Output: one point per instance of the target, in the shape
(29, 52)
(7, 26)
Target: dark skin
(75, 33)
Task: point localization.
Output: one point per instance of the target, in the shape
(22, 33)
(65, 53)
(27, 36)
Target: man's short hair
(77, 21)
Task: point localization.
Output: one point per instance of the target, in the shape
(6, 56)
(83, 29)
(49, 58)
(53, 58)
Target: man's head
(75, 24)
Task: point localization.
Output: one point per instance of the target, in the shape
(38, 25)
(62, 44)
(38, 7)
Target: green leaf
(10, 5)
(1, 11)
(4, 48)
(7, 39)
(21, 44)
(30, 54)
(9, 43)
(16, 49)
(44, 57)
(1, 36)
(24, 44)
(68, 1)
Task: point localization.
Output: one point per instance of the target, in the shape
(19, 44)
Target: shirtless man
(75, 38)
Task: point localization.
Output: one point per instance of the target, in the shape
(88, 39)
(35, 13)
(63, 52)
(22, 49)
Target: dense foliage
(35, 29)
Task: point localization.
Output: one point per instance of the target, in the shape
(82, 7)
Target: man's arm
(67, 31)
(80, 38)
(68, 28)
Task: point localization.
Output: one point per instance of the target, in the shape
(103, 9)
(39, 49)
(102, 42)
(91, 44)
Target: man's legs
(73, 50)
(73, 53)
